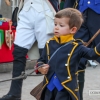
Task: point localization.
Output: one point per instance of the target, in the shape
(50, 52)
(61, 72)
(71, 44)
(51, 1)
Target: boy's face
(61, 27)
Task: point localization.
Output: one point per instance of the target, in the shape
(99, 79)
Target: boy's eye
(62, 25)
(55, 24)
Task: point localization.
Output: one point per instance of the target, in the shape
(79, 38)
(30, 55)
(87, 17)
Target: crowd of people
(60, 28)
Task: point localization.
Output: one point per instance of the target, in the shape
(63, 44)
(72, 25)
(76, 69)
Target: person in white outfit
(35, 23)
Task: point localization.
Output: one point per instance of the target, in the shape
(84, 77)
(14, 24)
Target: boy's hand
(44, 69)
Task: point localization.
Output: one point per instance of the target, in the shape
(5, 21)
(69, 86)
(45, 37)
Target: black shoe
(10, 97)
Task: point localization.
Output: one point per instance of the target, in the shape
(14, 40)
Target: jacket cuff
(97, 50)
(39, 63)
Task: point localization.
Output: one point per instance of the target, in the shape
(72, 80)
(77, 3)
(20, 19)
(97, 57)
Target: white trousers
(32, 26)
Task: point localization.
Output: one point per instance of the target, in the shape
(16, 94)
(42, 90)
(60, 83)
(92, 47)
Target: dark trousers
(81, 78)
(56, 95)
(19, 64)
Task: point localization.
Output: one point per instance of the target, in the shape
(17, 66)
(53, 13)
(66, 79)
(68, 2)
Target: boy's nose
(56, 27)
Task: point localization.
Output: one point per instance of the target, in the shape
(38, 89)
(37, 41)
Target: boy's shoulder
(79, 41)
(51, 39)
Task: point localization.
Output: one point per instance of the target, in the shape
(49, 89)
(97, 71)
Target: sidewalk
(92, 82)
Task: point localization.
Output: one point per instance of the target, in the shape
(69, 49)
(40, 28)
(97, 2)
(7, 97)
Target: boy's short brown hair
(75, 17)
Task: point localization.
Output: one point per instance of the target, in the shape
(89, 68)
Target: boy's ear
(73, 30)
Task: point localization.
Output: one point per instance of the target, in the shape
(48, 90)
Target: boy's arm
(90, 53)
(42, 60)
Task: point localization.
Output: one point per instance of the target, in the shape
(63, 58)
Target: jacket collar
(64, 39)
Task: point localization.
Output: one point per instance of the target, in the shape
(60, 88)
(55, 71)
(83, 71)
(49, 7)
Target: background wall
(5, 11)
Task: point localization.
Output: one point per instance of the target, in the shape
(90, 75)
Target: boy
(61, 56)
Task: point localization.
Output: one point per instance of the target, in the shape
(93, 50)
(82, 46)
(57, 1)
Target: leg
(19, 64)
(81, 87)
(81, 76)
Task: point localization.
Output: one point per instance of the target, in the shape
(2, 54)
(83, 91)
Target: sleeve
(43, 58)
(90, 53)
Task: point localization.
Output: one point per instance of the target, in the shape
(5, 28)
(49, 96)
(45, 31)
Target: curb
(7, 67)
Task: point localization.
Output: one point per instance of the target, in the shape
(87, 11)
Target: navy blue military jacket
(92, 4)
(64, 63)
(84, 4)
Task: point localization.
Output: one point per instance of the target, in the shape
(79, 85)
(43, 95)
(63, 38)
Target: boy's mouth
(56, 33)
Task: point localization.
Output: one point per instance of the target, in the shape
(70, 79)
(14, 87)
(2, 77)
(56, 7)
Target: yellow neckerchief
(64, 39)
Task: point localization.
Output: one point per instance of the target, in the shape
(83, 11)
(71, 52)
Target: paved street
(92, 82)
